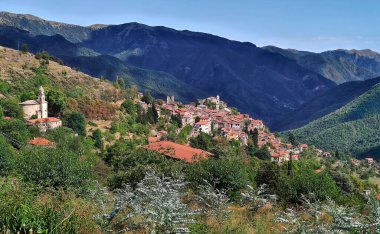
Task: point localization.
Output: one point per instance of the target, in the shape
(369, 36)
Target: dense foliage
(353, 128)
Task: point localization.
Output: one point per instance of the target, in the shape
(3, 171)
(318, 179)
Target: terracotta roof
(39, 141)
(177, 151)
(202, 122)
(153, 139)
(44, 120)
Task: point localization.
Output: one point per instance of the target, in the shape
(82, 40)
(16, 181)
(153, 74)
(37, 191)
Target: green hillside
(353, 128)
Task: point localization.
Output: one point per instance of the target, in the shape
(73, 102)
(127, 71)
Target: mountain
(37, 26)
(255, 80)
(158, 83)
(337, 65)
(324, 104)
(354, 128)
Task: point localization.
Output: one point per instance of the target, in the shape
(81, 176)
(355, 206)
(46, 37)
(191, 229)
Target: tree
(306, 181)
(15, 131)
(263, 153)
(202, 141)
(11, 108)
(24, 48)
(129, 106)
(57, 102)
(147, 98)
(197, 119)
(97, 135)
(132, 92)
(228, 173)
(6, 154)
(120, 82)
(337, 154)
(255, 137)
(27, 95)
(1, 112)
(269, 174)
(176, 119)
(292, 139)
(141, 115)
(77, 122)
(152, 114)
(55, 167)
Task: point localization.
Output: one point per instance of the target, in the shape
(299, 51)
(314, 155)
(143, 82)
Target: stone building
(36, 113)
(37, 108)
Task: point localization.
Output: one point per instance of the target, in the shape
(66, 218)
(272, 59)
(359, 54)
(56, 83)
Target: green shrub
(76, 121)
(21, 210)
(58, 168)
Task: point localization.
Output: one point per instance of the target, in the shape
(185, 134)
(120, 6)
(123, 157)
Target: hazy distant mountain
(354, 128)
(38, 26)
(324, 104)
(257, 81)
(337, 65)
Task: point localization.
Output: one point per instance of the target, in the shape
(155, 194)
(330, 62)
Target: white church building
(36, 113)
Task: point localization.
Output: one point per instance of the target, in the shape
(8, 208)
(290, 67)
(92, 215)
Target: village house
(228, 125)
(42, 142)
(45, 124)
(179, 152)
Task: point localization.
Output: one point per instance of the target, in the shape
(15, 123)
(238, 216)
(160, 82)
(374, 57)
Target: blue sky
(314, 25)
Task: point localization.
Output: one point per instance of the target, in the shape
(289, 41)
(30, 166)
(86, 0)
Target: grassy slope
(21, 72)
(353, 128)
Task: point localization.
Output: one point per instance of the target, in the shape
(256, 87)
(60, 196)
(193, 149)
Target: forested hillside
(324, 104)
(353, 128)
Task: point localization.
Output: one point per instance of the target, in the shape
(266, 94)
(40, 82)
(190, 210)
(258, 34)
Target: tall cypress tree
(255, 137)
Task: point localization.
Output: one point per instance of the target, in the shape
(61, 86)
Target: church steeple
(43, 113)
(41, 95)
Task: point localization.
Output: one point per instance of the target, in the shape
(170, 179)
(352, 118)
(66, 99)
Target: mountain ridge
(256, 81)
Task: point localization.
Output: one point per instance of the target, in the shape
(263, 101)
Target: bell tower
(217, 102)
(43, 103)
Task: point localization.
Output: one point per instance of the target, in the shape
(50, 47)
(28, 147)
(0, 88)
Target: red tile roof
(177, 151)
(153, 139)
(44, 120)
(202, 122)
(39, 141)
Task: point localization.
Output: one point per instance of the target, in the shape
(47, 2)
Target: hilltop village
(212, 116)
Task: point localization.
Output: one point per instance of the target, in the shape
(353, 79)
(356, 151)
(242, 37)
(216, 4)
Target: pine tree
(255, 137)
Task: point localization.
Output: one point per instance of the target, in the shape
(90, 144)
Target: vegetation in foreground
(98, 179)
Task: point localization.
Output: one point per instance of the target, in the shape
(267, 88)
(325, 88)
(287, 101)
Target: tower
(43, 113)
(217, 102)
(170, 100)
